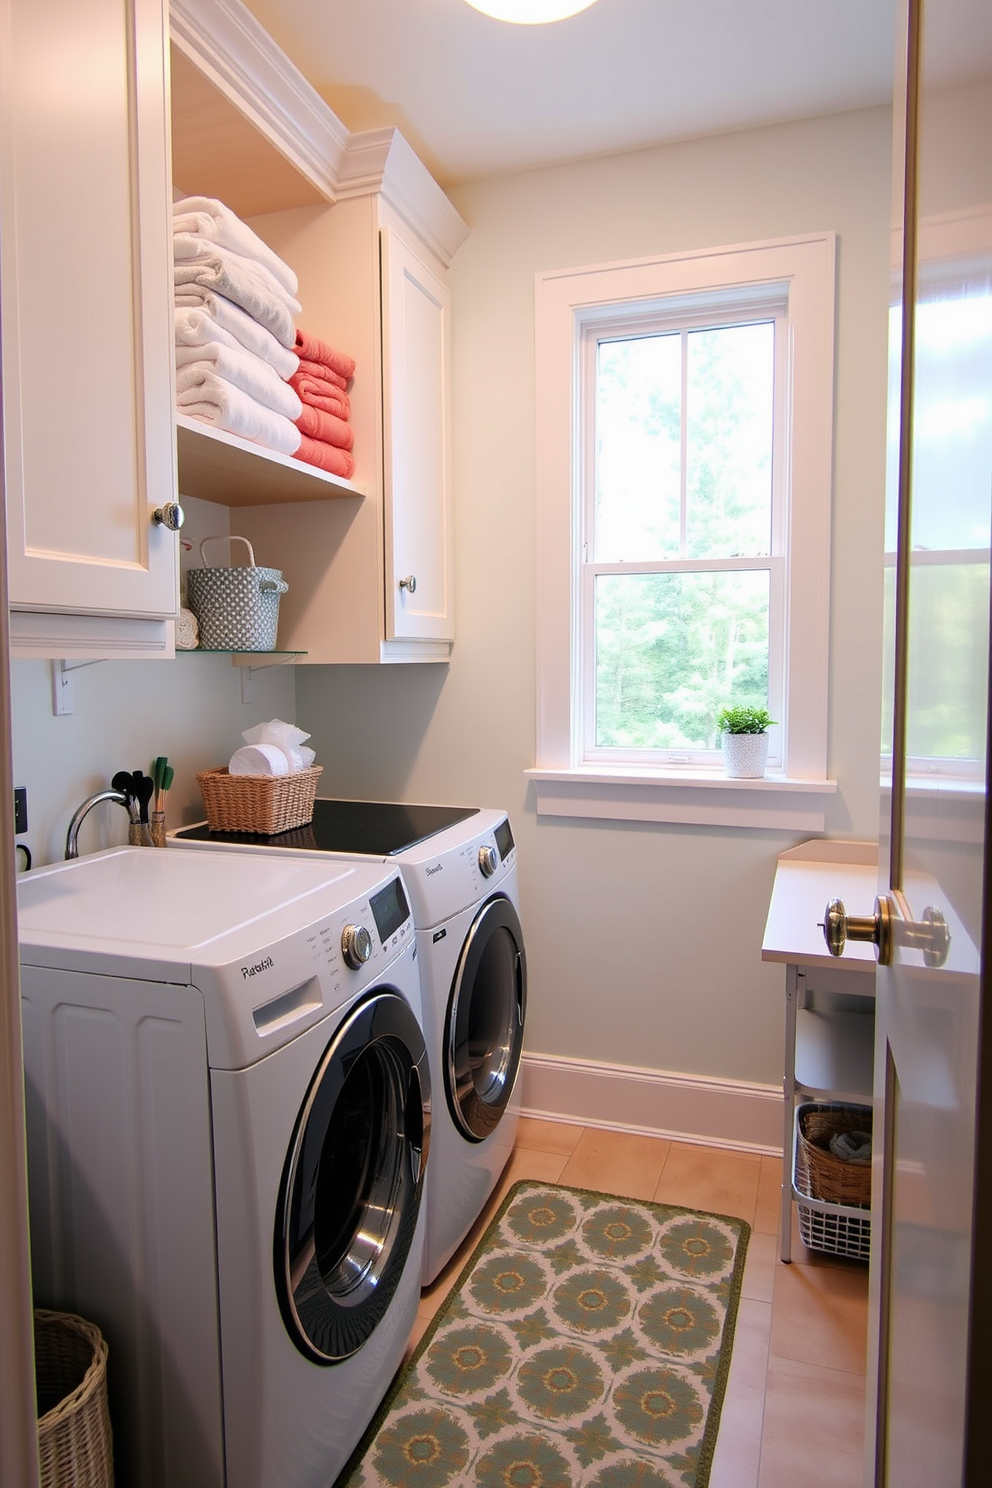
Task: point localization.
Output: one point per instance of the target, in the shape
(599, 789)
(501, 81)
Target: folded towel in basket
(245, 371)
(320, 393)
(264, 299)
(195, 326)
(325, 456)
(325, 426)
(312, 349)
(852, 1147)
(210, 219)
(206, 396)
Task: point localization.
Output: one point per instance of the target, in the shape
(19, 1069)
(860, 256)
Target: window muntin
(682, 564)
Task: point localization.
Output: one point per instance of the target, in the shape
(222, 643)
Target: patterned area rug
(587, 1342)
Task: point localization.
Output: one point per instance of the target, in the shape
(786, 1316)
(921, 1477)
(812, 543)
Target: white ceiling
(479, 97)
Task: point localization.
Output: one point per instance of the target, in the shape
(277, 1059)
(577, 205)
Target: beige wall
(643, 941)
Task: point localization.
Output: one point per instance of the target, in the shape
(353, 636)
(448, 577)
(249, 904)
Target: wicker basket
(74, 1439)
(818, 1173)
(264, 804)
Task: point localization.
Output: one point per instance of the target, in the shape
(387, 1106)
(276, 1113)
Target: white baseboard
(656, 1103)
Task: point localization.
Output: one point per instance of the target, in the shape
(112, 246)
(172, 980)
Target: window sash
(742, 305)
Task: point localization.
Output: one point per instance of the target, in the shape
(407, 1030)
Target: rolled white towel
(187, 631)
(224, 321)
(203, 395)
(258, 759)
(208, 218)
(245, 371)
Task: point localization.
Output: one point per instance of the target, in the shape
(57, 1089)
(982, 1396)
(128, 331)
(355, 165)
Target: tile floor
(794, 1410)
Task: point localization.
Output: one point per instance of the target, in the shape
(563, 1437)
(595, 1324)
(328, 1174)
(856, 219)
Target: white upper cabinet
(370, 236)
(416, 354)
(87, 326)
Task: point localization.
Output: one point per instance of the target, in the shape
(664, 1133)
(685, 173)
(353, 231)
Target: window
(684, 429)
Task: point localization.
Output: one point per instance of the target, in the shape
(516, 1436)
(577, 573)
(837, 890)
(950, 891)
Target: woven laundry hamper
(74, 1438)
(236, 609)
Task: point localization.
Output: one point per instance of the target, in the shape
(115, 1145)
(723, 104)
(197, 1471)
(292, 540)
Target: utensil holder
(157, 829)
(138, 835)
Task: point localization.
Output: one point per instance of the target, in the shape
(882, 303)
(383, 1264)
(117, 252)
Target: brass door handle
(887, 927)
(839, 927)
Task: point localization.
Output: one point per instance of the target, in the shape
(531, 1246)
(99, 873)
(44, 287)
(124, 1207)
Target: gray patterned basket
(237, 609)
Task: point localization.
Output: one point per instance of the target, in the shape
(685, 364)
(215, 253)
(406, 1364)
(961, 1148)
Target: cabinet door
(416, 340)
(86, 307)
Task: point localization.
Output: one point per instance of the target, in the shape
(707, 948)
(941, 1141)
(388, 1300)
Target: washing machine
(228, 1101)
(460, 868)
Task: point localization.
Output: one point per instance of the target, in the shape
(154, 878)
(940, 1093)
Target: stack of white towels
(273, 748)
(235, 334)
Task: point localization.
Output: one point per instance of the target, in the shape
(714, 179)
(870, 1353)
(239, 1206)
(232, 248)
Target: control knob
(356, 945)
(488, 861)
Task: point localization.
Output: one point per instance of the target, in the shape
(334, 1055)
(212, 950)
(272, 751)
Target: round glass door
(353, 1180)
(484, 1027)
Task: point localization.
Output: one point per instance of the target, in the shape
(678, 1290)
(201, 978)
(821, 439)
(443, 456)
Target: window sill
(695, 798)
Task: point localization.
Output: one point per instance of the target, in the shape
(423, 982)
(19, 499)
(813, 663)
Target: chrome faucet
(71, 837)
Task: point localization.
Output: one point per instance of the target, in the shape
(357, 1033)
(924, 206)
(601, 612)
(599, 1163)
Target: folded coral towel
(325, 373)
(325, 426)
(263, 298)
(245, 371)
(312, 349)
(326, 456)
(321, 394)
(207, 396)
(208, 218)
(231, 326)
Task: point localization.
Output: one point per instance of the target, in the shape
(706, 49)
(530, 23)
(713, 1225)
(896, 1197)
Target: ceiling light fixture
(530, 12)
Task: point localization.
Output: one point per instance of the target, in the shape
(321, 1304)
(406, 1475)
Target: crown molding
(226, 42)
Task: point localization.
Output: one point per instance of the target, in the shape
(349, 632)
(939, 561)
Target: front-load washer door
(353, 1179)
(484, 1024)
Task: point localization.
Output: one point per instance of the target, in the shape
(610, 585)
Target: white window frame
(793, 796)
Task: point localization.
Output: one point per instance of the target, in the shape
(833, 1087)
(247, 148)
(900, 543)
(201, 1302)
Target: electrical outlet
(20, 809)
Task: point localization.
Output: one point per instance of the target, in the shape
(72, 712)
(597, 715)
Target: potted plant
(745, 740)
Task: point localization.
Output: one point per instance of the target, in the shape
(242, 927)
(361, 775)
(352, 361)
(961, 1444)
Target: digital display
(389, 909)
(504, 840)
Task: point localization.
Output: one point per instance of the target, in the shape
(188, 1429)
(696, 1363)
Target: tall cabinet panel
(88, 430)
(416, 359)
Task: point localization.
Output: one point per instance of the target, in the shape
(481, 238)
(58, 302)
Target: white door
(416, 376)
(87, 320)
(927, 1371)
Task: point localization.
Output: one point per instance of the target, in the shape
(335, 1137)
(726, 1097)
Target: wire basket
(828, 1180)
(74, 1439)
(264, 804)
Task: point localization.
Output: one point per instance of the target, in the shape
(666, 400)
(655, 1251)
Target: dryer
(460, 867)
(228, 1098)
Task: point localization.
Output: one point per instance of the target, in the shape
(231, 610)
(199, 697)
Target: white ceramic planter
(745, 755)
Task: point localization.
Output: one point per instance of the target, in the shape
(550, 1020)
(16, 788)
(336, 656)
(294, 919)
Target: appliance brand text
(250, 971)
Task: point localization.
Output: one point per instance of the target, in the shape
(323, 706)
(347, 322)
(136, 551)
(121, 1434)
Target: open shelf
(217, 466)
(835, 1054)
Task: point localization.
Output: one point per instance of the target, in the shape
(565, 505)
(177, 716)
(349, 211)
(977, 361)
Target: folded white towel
(209, 218)
(228, 274)
(245, 371)
(224, 321)
(191, 248)
(203, 395)
(258, 759)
